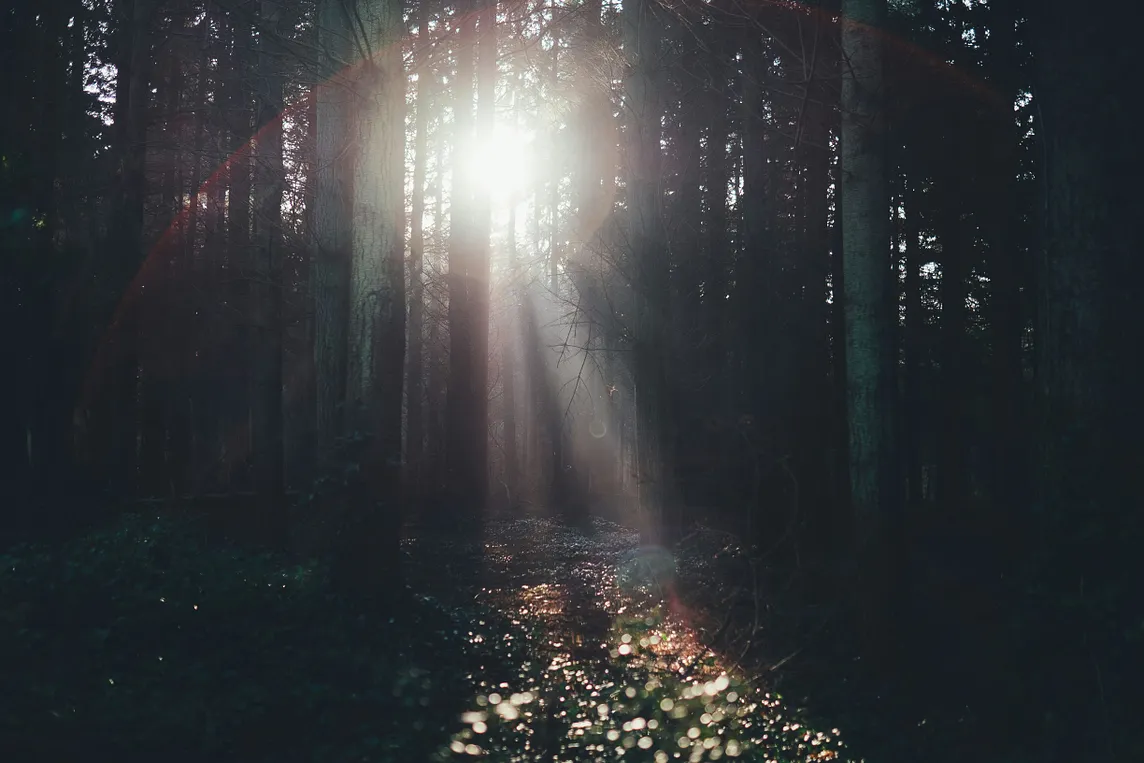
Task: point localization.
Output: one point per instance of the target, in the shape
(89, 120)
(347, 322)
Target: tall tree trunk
(267, 439)
(717, 253)
(870, 312)
(415, 412)
(1006, 264)
(549, 398)
(508, 371)
(332, 226)
(757, 293)
(193, 382)
(812, 431)
(368, 561)
(132, 95)
(953, 480)
(157, 336)
(303, 470)
(842, 521)
(554, 247)
(509, 350)
(459, 404)
(915, 324)
(1088, 526)
(646, 237)
(172, 306)
(481, 273)
(238, 241)
(49, 426)
(438, 372)
(687, 305)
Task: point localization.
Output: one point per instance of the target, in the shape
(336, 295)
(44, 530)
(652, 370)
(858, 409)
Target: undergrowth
(145, 640)
(151, 641)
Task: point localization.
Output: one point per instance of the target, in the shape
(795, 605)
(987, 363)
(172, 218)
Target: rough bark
(415, 410)
(437, 375)
(126, 239)
(369, 553)
(641, 31)
(915, 323)
(717, 258)
(459, 402)
(511, 333)
(813, 435)
(549, 398)
(1007, 262)
(480, 273)
(953, 479)
(1088, 528)
(267, 437)
(238, 248)
(869, 306)
(332, 226)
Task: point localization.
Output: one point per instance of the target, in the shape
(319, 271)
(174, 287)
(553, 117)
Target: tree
(132, 51)
(332, 224)
(415, 430)
(868, 300)
(369, 552)
(646, 239)
(1088, 525)
(480, 274)
(267, 437)
(466, 400)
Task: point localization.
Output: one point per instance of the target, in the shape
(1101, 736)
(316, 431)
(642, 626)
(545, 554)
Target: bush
(145, 640)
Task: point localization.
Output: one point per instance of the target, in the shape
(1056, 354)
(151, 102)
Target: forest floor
(539, 643)
(609, 664)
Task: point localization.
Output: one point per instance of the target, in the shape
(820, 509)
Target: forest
(570, 380)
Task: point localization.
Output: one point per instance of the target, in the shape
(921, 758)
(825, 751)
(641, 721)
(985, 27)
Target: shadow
(950, 690)
(149, 641)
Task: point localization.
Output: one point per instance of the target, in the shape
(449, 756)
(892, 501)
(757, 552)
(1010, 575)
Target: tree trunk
(120, 360)
(1006, 264)
(193, 382)
(549, 397)
(510, 343)
(238, 243)
(415, 412)
(757, 294)
(953, 479)
(813, 435)
(438, 373)
(267, 440)
(511, 335)
(915, 325)
(368, 562)
(332, 227)
(869, 305)
(717, 252)
(646, 237)
(1088, 527)
(459, 404)
(302, 471)
(687, 306)
(480, 274)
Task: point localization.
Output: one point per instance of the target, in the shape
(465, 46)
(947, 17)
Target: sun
(501, 166)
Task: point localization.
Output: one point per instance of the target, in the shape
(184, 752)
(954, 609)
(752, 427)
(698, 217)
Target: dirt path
(606, 665)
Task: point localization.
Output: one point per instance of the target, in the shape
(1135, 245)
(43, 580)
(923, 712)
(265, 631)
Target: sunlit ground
(540, 643)
(610, 669)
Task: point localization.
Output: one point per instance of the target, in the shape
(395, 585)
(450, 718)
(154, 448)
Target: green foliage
(144, 640)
